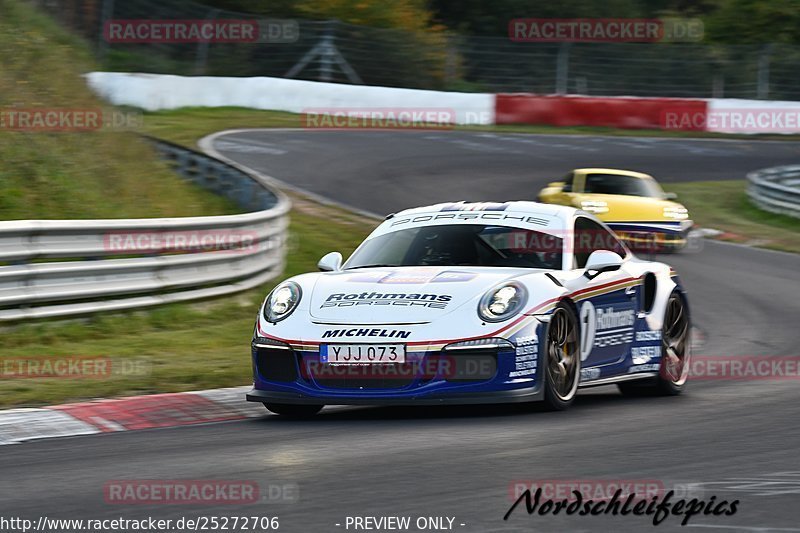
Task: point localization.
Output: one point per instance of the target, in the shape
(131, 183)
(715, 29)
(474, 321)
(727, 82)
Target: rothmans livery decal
(644, 368)
(434, 301)
(648, 335)
(608, 318)
(507, 331)
(525, 357)
(588, 374)
(644, 354)
(604, 326)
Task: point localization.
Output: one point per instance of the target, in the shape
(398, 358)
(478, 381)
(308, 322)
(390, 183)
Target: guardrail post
(201, 58)
(106, 14)
(562, 68)
(763, 72)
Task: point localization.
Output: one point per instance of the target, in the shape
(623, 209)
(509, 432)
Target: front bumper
(530, 394)
(653, 235)
(292, 376)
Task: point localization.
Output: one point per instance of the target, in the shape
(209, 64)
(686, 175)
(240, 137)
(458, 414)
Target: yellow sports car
(632, 204)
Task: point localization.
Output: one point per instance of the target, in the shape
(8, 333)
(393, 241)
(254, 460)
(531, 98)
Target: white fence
(153, 92)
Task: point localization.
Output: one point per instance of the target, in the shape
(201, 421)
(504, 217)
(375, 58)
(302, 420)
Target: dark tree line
(726, 21)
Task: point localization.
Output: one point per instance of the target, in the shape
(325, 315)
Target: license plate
(360, 354)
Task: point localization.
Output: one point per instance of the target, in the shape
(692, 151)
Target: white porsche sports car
(462, 303)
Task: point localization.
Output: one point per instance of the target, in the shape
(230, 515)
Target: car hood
(631, 208)
(401, 295)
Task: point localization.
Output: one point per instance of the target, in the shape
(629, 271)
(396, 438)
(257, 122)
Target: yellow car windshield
(619, 184)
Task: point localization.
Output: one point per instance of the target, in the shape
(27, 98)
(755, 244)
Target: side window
(568, 182)
(590, 236)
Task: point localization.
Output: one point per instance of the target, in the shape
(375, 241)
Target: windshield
(460, 245)
(625, 185)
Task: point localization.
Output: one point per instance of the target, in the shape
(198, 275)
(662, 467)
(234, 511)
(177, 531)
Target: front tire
(675, 354)
(293, 411)
(562, 359)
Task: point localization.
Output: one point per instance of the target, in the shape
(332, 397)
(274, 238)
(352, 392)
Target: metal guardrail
(54, 268)
(776, 189)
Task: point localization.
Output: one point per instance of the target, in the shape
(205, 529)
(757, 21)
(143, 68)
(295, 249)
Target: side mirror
(670, 196)
(331, 262)
(602, 261)
(556, 184)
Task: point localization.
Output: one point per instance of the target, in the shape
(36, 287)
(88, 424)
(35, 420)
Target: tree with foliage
(413, 15)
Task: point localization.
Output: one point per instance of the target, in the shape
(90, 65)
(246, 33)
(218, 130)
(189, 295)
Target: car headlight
(676, 212)
(281, 301)
(594, 206)
(502, 302)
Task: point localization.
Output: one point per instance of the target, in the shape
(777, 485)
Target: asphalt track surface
(732, 440)
(384, 171)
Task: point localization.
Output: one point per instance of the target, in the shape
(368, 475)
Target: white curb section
(18, 425)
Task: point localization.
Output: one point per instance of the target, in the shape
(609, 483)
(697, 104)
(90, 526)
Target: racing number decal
(588, 320)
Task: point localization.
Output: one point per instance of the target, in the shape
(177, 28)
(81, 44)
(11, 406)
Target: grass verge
(724, 205)
(100, 173)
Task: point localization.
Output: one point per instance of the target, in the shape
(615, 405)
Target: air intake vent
(275, 364)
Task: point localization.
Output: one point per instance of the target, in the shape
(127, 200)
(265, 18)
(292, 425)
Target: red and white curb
(142, 412)
(124, 414)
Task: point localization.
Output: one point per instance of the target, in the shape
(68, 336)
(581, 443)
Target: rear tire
(293, 411)
(675, 355)
(562, 368)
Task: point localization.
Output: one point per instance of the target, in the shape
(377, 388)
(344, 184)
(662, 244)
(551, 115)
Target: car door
(606, 303)
(567, 191)
(559, 192)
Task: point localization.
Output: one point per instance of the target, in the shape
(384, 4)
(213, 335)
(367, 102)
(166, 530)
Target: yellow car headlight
(594, 206)
(676, 212)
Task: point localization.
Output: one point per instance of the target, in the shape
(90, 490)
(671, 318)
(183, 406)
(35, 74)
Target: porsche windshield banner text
(495, 215)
